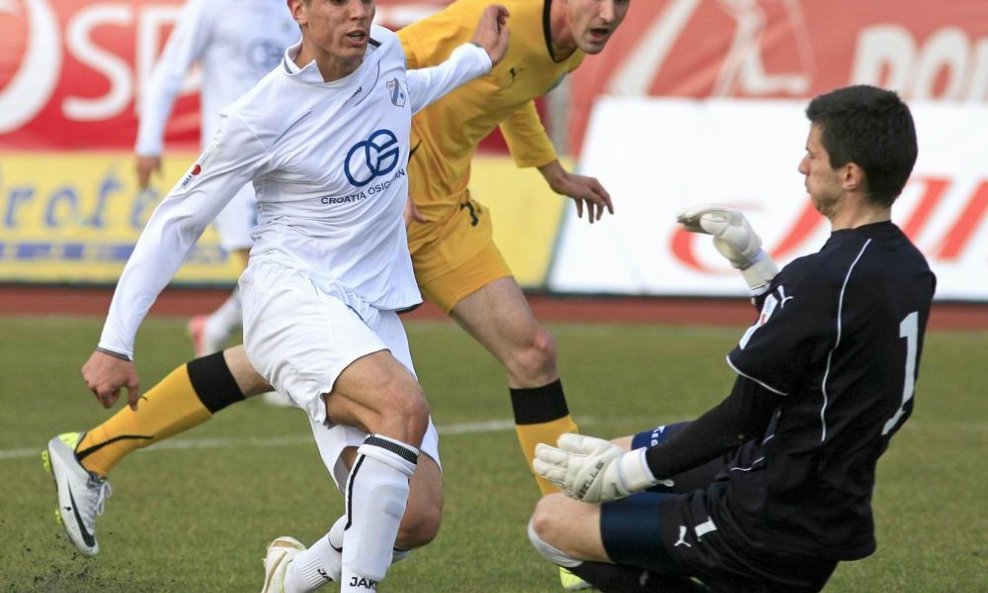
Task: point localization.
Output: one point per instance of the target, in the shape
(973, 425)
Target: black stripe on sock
(213, 382)
(403, 452)
(80, 455)
(537, 405)
(349, 492)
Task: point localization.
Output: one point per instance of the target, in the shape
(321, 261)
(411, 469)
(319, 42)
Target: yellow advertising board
(73, 217)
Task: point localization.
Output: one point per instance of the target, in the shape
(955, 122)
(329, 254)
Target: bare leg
(498, 316)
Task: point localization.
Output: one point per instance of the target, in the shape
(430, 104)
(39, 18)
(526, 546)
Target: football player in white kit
(235, 43)
(324, 139)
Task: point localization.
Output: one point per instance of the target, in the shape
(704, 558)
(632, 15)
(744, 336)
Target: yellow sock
(530, 435)
(169, 407)
(541, 415)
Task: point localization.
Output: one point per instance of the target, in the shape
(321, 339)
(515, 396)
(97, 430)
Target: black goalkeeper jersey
(838, 339)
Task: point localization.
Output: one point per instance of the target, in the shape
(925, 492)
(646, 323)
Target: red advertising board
(70, 69)
(789, 49)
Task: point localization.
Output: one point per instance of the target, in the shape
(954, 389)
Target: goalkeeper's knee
(550, 552)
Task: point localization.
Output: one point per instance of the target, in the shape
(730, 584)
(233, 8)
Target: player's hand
(734, 239)
(412, 213)
(591, 469)
(145, 166)
(587, 192)
(106, 375)
(492, 32)
(733, 235)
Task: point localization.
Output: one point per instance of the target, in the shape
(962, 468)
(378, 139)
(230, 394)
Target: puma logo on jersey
(783, 299)
(682, 538)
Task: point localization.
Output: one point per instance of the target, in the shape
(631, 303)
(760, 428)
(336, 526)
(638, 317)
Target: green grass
(197, 519)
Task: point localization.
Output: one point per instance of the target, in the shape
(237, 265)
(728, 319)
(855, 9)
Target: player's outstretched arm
(585, 191)
(735, 240)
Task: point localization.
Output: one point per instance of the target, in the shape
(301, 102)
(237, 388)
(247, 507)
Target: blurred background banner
(71, 71)
(659, 156)
(750, 49)
(73, 217)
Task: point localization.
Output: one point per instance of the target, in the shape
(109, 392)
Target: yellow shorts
(457, 256)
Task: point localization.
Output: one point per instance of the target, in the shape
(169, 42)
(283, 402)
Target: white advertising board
(659, 156)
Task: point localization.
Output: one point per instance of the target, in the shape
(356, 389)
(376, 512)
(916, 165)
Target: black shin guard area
(213, 382)
(537, 405)
(616, 578)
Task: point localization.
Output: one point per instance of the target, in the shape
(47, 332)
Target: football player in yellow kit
(457, 264)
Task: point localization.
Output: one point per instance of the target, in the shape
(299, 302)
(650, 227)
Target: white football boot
(81, 494)
(280, 553)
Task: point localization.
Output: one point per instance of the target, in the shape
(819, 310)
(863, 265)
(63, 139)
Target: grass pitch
(194, 514)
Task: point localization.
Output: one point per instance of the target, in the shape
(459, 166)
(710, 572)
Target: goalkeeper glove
(591, 469)
(734, 239)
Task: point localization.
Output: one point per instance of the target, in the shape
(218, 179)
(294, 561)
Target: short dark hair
(872, 128)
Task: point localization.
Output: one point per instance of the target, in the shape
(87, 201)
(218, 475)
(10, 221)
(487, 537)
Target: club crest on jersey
(398, 95)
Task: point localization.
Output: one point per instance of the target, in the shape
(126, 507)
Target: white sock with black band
(376, 495)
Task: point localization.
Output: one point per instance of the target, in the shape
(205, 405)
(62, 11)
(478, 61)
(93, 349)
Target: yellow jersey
(445, 134)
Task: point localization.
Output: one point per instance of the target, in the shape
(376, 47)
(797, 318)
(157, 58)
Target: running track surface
(16, 300)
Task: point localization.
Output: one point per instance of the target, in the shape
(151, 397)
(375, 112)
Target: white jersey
(236, 42)
(328, 163)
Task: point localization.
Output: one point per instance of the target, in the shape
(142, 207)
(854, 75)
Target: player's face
(592, 22)
(337, 28)
(822, 181)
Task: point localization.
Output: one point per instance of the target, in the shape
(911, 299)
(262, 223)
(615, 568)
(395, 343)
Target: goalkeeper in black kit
(770, 489)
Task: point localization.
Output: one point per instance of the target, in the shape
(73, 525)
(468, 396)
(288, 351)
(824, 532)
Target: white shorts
(331, 441)
(300, 339)
(237, 219)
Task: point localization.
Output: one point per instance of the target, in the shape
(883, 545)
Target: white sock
(321, 563)
(551, 553)
(399, 555)
(228, 318)
(376, 495)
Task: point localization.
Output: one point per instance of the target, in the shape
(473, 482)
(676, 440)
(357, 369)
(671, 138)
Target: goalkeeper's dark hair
(872, 128)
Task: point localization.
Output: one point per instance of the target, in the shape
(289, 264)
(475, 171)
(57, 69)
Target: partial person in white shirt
(234, 43)
(324, 139)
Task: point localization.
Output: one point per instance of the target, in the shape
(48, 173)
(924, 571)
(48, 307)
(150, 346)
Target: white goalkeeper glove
(734, 239)
(591, 469)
